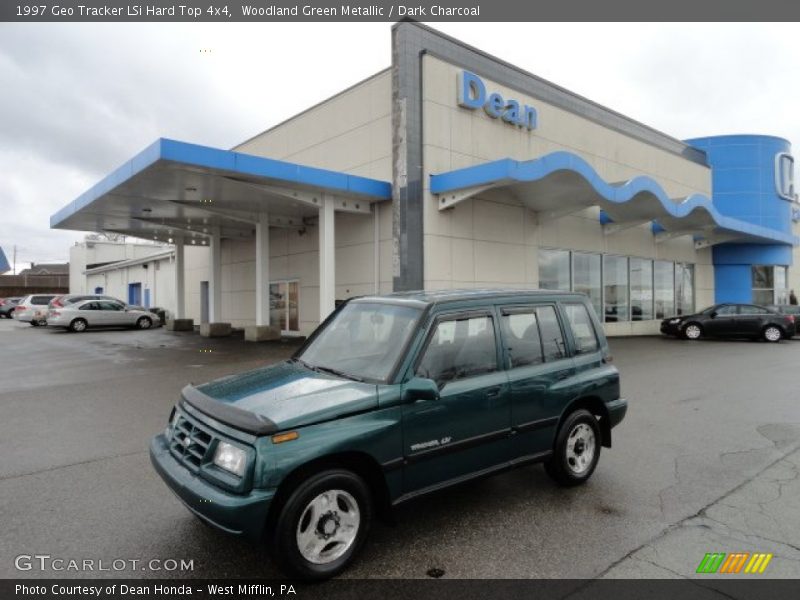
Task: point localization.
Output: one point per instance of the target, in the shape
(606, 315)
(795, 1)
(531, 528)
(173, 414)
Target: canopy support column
(178, 320)
(262, 331)
(215, 327)
(327, 258)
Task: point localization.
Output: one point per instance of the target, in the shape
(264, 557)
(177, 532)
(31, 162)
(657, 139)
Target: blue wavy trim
(507, 171)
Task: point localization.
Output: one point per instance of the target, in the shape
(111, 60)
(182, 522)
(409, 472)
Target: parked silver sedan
(98, 313)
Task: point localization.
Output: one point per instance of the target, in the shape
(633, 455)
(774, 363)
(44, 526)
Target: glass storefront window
(615, 288)
(641, 289)
(781, 289)
(664, 288)
(624, 288)
(684, 288)
(769, 285)
(554, 269)
(586, 277)
(284, 305)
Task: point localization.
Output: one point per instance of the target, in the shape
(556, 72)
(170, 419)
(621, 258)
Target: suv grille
(190, 442)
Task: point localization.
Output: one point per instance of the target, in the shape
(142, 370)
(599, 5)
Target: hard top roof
(427, 297)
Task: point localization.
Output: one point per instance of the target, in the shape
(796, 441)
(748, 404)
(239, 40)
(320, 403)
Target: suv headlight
(674, 321)
(231, 458)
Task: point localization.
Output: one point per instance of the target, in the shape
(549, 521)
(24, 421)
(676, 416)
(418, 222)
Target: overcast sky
(78, 100)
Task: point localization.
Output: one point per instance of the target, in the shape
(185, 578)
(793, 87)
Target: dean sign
(472, 94)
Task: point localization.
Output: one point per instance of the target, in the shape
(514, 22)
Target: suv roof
(426, 297)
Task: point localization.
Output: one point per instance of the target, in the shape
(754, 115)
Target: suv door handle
(562, 375)
(493, 392)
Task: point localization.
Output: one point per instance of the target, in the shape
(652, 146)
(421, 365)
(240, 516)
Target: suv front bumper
(238, 514)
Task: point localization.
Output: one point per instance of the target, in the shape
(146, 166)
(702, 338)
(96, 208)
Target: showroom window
(615, 288)
(586, 277)
(781, 286)
(554, 269)
(625, 288)
(769, 285)
(664, 288)
(641, 289)
(684, 289)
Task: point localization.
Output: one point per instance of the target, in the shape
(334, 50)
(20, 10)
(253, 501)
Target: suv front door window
(466, 428)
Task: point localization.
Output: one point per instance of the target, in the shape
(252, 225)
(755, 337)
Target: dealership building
(449, 169)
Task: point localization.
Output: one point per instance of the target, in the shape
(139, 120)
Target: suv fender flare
(360, 463)
(598, 408)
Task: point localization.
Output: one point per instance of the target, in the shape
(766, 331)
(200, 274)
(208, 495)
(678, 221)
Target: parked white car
(80, 316)
(33, 309)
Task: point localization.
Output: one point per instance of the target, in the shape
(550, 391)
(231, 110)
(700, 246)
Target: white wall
(351, 133)
(102, 251)
(158, 277)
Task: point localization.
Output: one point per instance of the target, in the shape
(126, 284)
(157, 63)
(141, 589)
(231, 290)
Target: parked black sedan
(732, 320)
(788, 309)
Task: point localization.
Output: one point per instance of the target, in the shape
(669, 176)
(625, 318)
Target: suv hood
(289, 395)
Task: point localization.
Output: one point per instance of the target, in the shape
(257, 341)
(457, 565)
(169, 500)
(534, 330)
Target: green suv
(390, 398)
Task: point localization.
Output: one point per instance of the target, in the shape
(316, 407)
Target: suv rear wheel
(577, 449)
(322, 525)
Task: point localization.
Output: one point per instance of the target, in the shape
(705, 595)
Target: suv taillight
(790, 318)
(20, 307)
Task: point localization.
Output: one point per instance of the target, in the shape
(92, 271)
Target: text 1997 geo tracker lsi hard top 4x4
(390, 398)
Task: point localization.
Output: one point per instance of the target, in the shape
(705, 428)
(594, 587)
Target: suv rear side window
(39, 300)
(521, 334)
(552, 338)
(459, 348)
(582, 328)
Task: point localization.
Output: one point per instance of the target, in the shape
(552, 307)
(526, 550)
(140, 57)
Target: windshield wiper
(335, 372)
(328, 370)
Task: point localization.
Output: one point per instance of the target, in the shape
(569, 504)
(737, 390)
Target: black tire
(768, 334)
(687, 336)
(144, 323)
(34, 323)
(284, 547)
(562, 466)
(78, 325)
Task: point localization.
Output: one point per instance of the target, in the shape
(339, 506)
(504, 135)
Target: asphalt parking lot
(706, 460)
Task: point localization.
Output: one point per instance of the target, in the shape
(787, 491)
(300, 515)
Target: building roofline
(130, 262)
(570, 95)
(313, 107)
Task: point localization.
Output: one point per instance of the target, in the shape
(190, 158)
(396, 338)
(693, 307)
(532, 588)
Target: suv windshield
(363, 341)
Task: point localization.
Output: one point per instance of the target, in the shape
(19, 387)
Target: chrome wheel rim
(144, 323)
(580, 448)
(79, 326)
(692, 332)
(328, 527)
(773, 334)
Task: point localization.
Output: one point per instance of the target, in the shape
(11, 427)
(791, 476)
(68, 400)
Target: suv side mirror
(420, 388)
(714, 314)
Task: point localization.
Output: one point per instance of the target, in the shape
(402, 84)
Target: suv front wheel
(322, 525)
(577, 449)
